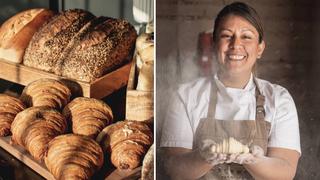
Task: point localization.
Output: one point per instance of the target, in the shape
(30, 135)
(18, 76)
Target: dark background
(291, 58)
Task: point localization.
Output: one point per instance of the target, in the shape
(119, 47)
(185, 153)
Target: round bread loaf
(128, 142)
(88, 116)
(9, 108)
(34, 127)
(16, 32)
(46, 92)
(73, 156)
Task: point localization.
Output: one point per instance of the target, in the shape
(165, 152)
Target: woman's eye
(225, 36)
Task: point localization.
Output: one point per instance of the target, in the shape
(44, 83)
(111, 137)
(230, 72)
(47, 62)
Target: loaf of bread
(128, 142)
(16, 32)
(88, 116)
(46, 92)
(73, 156)
(147, 171)
(9, 108)
(77, 45)
(230, 146)
(35, 127)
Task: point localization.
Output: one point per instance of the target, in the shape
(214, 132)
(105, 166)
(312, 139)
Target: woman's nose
(235, 43)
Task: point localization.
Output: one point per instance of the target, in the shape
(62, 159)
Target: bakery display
(73, 156)
(34, 127)
(88, 116)
(127, 141)
(230, 146)
(9, 108)
(16, 32)
(147, 171)
(46, 92)
(80, 46)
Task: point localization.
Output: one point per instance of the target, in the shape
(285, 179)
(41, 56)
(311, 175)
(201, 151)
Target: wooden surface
(99, 88)
(39, 167)
(139, 104)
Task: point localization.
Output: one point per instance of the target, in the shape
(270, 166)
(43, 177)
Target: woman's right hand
(209, 156)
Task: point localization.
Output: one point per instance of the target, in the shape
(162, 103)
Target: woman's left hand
(247, 158)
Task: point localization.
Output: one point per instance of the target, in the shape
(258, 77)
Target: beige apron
(249, 132)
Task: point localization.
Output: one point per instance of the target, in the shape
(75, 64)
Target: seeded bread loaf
(77, 45)
(16, 32)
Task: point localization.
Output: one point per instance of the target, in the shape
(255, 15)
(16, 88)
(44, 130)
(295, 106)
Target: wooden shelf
(99, 88)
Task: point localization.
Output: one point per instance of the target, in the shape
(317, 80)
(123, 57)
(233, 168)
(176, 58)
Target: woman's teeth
(235, 57)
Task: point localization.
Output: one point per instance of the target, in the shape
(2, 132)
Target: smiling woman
(233, 104)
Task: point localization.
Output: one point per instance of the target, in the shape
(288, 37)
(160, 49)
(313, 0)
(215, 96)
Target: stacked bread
(46, 92)
(73, 156)
(78, 45)
(88, 116)
(17, 31)
(9, 108)
(127, 141)
(35, 127)
(145, 61)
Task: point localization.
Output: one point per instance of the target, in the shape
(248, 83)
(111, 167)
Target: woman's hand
(209, 156)
(247, 158)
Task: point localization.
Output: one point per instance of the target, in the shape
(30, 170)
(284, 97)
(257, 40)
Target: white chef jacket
(190, 103)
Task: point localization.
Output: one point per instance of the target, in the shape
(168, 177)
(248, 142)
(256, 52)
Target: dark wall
(291, 58)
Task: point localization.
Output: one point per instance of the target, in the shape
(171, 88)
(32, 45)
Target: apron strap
(212, 99)
(260, 100)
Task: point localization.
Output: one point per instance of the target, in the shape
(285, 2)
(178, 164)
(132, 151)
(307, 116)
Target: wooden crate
(21, 154)
(139, 104)
(105, 85)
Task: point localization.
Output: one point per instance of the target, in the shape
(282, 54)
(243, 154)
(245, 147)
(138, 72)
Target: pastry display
(78, 45)
(88, 116)
(9, 108)
(34, 127)
(73, 156)
(127, 141)
(46, 92)
(16, 32)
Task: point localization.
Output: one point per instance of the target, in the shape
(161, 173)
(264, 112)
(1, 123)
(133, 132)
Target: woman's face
(237, 45)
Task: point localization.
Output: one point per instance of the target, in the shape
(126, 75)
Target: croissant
(34, 127)
(46, 92)
(147, 172)
(9, 108)
(128, 142)
(230, 146)
(72, 156)
(88, 116)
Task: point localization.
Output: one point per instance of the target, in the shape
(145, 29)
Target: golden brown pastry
(9, 108)
(46, 92)
(128, 142)
(147, 171)
(34, 127)
(88, 116)
(73, 156)
(17, 31)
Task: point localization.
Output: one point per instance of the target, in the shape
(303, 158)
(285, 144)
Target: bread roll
(88, 116)
(145, 77)
(46, 92)
(230, 146)
(73, 156)
(128, 142)
(16, 32)
(9, 108)
(34, 127)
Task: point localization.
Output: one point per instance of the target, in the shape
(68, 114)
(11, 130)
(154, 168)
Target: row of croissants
(71, 137)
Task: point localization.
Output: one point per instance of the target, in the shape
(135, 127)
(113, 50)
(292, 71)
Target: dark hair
(243, 10)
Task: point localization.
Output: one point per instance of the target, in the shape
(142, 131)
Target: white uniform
(191, 102)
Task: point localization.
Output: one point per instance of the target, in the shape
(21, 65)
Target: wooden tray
(139, 104)
(22, 155)
(99, 88)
